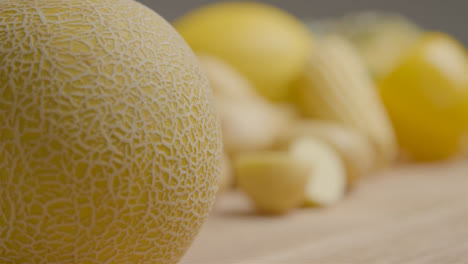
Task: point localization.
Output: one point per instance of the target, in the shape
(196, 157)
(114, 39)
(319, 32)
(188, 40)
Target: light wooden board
(412, 214)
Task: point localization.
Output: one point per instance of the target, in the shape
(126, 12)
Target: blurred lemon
(267, 45)
(427, 97)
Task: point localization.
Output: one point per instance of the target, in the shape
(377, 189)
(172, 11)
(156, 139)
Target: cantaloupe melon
(109, 142)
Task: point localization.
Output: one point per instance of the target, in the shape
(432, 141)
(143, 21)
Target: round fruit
(427, 97)
(265, 44)
(110, 147)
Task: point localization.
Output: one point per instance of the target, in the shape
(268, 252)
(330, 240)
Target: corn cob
(337, 87)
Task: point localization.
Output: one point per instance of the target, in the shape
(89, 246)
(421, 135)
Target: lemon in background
(427, 97)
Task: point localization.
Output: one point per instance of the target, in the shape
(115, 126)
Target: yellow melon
(265, 44)
(109, 142)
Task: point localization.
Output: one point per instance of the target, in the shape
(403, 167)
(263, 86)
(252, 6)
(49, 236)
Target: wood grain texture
(411, 214)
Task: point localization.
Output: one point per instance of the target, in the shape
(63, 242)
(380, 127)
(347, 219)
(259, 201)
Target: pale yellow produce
(264, 43)
(226, 177)
(226, 81)
(381, 38)
(337, 87)
(249, 121)
(327, 171)
(290, 111)
(275, 181)
(464, 145)
(110, 145)
(250, 125)
(354, 148)
(426, 96)
(386, 44)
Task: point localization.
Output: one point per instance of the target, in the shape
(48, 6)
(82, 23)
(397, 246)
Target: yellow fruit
(381, 38)
(337, 87)
(110, 147)
(273, 180)
(265, 44)
(226, 177)
(327, 172)
(226, 81)
(464, 145)
(427, 97)
(354, 148)
(249, 122)
(250, 125)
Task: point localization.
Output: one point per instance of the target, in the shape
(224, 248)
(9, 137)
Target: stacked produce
(310, 109)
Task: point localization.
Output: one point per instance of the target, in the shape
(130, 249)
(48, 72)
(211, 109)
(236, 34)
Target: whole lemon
(109, 141)
(267, 45)
(426, 95)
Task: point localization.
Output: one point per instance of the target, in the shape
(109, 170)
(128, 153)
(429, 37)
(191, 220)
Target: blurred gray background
(450, 16)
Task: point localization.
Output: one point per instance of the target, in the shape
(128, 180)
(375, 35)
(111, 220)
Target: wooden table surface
(411, 214)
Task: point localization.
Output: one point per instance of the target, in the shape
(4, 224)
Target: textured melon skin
(109, 142)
